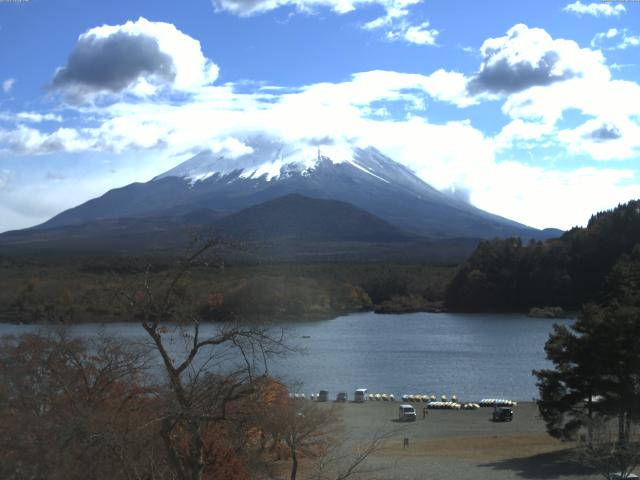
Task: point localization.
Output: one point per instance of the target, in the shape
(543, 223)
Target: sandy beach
(461, 444)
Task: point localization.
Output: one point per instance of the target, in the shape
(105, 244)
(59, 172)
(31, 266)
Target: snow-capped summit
(272, 162)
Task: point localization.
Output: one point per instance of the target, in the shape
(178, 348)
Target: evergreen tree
(596, 361)
(505, 274)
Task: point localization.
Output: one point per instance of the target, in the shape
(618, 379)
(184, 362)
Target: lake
(471, 355)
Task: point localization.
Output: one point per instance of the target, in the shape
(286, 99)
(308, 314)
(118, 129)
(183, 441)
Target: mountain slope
(111, 234)
(285, 219)
(288, 229)
(364, 178)
(300, 218)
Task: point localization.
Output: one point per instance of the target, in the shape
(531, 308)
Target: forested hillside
(507, 275)
(81, 289)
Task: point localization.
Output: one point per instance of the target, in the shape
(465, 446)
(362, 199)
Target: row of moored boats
(427, 398)
(497, 402)
(431, 402)
(452, 406)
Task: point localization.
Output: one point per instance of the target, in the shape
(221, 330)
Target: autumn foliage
(77, 409)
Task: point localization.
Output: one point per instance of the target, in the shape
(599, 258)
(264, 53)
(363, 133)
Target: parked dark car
(323, 396)
(342, 397)
(502, 414)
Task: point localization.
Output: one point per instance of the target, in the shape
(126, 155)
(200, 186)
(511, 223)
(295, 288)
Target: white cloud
(453, 153)
(529, 57)
(602, 9)
(612, 108)
(421, 34)
(395, 26)
(609, 100)
(617, 66)
(138, 58)
(629, 41)
(122, 133)
(393, 23)
(602, 140)
(542, 78)
(27, 141)
(7, 84)
(615, 39)
(33, 117)
(545, 197)
(246, 8)
(600, 37)
(230, 147)
(449, 87)
(36, 117)
(519, 132)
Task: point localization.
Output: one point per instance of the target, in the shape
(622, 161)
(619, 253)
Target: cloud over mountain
(138, 57)
(529, 78)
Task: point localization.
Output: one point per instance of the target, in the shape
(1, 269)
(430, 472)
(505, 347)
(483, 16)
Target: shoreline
(295, 321)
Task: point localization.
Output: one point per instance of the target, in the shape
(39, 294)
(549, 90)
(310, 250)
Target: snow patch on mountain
(272, 161)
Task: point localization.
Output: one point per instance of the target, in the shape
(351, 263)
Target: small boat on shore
(497, 402)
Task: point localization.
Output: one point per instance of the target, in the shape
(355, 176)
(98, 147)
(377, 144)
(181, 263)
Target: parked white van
(360, 396)
(406, 413)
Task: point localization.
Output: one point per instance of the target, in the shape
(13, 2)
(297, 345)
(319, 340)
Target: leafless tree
(303, 428)
(606, 454)
(216, 368)
(346, 459)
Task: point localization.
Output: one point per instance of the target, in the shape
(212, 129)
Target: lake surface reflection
(470, 355)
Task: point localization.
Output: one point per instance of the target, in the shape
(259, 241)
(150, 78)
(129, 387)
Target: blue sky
(532, 108)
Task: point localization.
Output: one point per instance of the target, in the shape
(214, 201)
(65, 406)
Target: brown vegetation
(62, 290)
(77, 409)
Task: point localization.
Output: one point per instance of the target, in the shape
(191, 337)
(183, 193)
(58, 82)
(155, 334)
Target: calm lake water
(471, 355)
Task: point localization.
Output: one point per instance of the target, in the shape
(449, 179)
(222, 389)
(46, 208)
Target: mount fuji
(370, 192)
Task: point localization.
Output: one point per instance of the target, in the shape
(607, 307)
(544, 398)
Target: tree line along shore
(44, 290)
